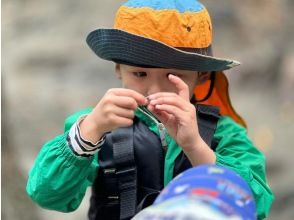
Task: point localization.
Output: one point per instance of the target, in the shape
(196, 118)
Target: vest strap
(126, 170)
(207, 118)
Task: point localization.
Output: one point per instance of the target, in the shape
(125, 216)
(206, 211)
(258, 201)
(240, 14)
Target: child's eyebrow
(138, 69)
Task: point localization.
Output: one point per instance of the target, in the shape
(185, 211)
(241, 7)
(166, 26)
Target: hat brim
(123, 47)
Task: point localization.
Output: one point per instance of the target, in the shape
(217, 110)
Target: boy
(137, 138)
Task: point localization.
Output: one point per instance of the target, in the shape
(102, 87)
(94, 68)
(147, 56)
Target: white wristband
(79, 145)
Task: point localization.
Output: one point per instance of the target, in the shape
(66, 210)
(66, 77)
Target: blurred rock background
(48, 72)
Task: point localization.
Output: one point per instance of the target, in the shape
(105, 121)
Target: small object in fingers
(147, 101)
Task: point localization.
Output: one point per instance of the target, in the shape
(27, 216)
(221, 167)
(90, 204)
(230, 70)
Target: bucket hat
(204, 192)
(167, 34)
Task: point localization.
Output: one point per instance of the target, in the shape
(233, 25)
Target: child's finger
(140, 99)
(183, 89)
(124, 102)
(122, 112)
(170, 109)
(170, 100)
(161, 94)
(164, 117)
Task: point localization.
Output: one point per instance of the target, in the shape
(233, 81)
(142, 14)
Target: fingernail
(150, 97)
(152, 102)
(150, 107)
(157, 106)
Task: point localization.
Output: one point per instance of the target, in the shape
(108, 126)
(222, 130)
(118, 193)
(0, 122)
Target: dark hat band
(204, 51)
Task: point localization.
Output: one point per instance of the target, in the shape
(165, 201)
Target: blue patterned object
(221, 188)
(180, 5)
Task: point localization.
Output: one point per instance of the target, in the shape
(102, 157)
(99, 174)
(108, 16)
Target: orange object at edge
(219, 97)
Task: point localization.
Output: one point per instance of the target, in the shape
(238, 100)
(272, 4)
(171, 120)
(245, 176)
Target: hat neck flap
(219, 97)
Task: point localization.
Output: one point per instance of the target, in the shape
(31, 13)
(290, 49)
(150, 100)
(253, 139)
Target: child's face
(148, 81)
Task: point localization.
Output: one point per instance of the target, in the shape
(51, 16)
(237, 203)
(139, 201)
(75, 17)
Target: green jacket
(59, 178)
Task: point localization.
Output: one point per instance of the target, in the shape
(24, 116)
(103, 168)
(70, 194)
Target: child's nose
(155, 88)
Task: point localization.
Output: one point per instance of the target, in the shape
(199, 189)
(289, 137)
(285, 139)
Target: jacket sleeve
(58, 179)
(238, 153)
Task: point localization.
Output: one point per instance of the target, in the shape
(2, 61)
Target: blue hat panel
(180, 5)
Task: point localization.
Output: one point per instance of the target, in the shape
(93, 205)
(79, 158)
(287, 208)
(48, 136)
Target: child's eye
(140, 74)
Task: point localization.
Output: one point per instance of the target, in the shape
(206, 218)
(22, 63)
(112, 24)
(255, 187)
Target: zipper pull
(161, 130)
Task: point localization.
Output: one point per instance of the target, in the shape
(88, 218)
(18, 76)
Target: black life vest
(131, 167)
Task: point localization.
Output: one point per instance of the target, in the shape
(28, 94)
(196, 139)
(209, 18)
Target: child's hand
(115, 109)
(177, 114)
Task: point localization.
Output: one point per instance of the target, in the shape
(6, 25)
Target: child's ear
(203, 77)
(118, 70)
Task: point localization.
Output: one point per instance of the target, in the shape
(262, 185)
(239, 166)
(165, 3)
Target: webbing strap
(207, 118)
(123, 155)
